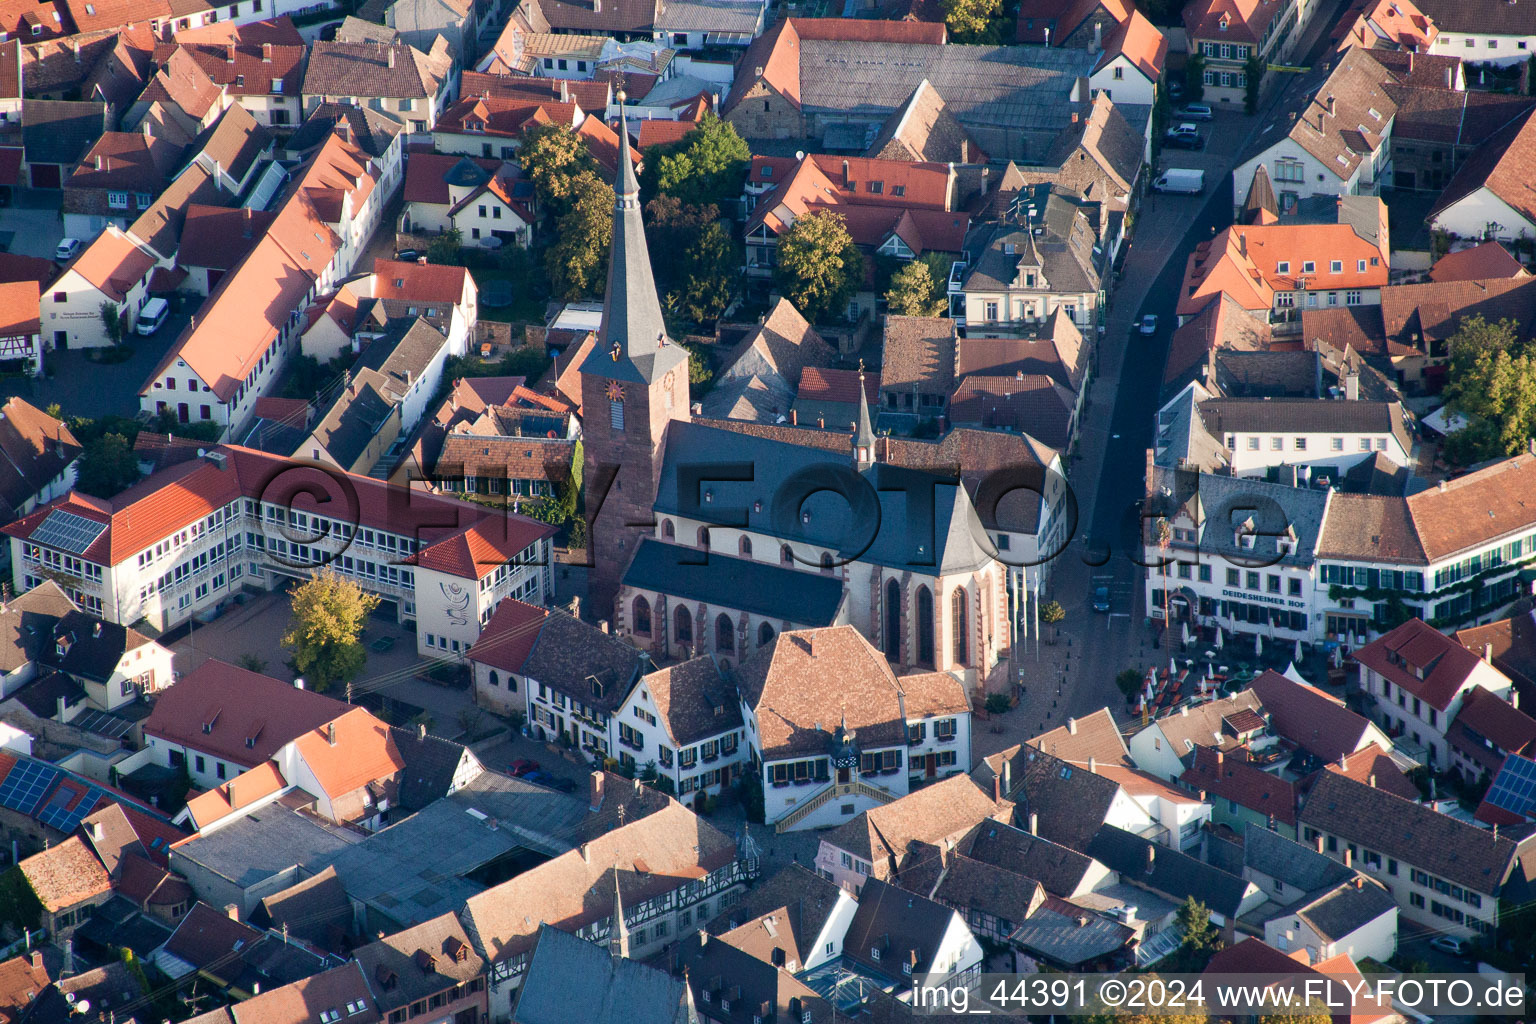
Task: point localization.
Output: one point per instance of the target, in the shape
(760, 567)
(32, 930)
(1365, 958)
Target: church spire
(632, 342)
(864, 437)
(618, 934)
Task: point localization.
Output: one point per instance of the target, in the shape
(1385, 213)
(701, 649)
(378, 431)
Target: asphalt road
(1112, 529)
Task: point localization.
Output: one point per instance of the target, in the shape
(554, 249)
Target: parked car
(408, 255)
(522, 766)
(541, 778)
(68, 249)
(1450, 944)
(1148, 324)
(1196, 112)
(1101, 599)
(1185, 136)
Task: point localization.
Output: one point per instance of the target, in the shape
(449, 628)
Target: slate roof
(1168, 871)
(1069, 935)
(373, 132)
(1348, 908)
(904, 926)
(430, 765)
(1061, 870)
(826, 522)
(1068, 802)
(569, 978)
(1299, 415)
(1411, 832)
(745, 584)
(569, 652)
(60, 131)
(1297, 865)
(1225, 502)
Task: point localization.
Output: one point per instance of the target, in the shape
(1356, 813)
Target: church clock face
(615, 391)
(669, 379)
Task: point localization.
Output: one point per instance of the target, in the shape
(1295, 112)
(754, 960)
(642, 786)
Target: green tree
(114, 321)
(1253, 72)
(1194, 77)
(913, 292)
(447, 249)
(1313, 1012)
(708, 165)
(1119, 1016)
(1052, 612)
(1128, 682)
(578, 261)
(1492, 382)
(1201, 939)
(819, 268)
(107, 466)
(700, 278)
(19, 906)
(554, 157)
(973, 21)
(329, 613)
(699, 371)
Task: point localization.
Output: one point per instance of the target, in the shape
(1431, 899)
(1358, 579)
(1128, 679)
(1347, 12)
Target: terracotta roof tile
(918, 351)
(65, 875)
(1422, 660)
(509, 636)
(349, 752)
(1482, 262)
(943, 811)
(1096, 736)
(248, 715)
(1231, 777)
(1314, 720)
(243, 790)
(1374, 767)
(114, 263)
(694, 699)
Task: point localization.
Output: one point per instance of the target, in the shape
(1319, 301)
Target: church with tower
(715, 536)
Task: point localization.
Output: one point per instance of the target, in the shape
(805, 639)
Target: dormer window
(1283, 267)
(1222, 24)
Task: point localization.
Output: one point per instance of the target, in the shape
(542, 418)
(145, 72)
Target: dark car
(542, 778)
(1184, 140)
(1101, 599)
(522, 766)
(408, 255)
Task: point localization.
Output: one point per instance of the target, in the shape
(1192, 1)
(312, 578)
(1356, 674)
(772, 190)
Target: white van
(152, 316)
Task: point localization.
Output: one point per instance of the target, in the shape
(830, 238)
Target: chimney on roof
(1220, 757)
(97, 832)
(1442, 485)
(232, 911)
(997, 784)
(586, 853)
(1071, 727)
(1349, 858)
(1318, 842)
(1488, 652)
(1242, 243)
(1151, 856)
(148, 129)
(298, 682)
(1449, 79)
(266, 53)
(391, 56)
(1330, 104)
(76, 48)
(330, 733)
(1098, 36)
(1352, 386)
(1371, 780)
(1034, 823)
(1093, 765)
(98, 161)
(794, 418)
(421, 730)
(229, 53)
(845, 174)
(596, 791)
(1074, 117)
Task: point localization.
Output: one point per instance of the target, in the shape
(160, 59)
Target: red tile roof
(1309, 717)
(482, 548)
(1232, 777)
(589, 95)
(114, 263)
(19, 309)
(218, 238)
(252, 303)
(1373, 767)
(65, 875)
(1423, 661)
(1498, 721)
(422, 282)
(603, 143)
(243, 790)
(359, 751)
(237, 715)
(655, 132)
(1483, 262)
(825, 385)
(507, 639)
(1061, 18)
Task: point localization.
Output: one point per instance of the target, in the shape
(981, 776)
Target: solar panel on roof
(25, 785)
(68, 819)
(1514, 788)
(68, 531)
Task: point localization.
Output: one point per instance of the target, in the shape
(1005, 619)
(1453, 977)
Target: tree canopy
(329, 613)
(1201, 939)
(107, 466)
(1492, 382)
(1313, 1012)
(973, 21)
(554, 158)
(819, 268)
(708, 165)
(698, 279)
(578, 261)
(914, 293)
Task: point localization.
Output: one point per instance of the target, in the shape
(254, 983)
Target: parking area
(83, 387)
(32, 225)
